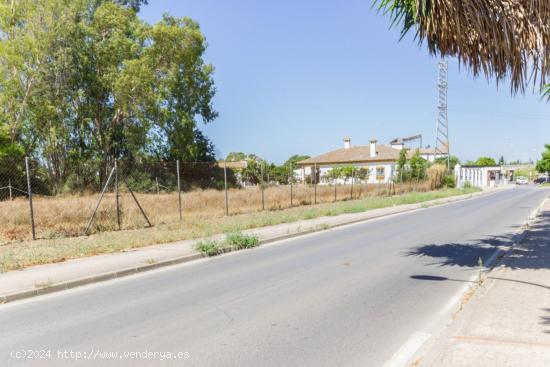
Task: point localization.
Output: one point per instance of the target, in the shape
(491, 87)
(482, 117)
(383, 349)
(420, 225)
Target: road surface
(350, 296)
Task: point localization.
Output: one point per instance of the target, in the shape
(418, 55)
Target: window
(380, 172)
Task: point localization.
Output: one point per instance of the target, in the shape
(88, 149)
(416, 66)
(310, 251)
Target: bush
(238, 241)
(436, 174)
(209, 247)
(449, 181)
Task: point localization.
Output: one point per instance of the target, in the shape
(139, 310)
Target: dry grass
(66, 216)
(17, 255)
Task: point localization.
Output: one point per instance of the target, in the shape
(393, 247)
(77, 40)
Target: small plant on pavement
(480, 263)
(238, 240)
(209, 247)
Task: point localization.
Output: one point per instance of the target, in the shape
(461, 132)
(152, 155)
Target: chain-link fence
(40, 202)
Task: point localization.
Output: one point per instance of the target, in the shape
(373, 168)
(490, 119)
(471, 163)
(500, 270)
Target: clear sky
(295, 77)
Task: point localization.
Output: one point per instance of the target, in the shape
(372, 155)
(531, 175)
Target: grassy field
(66, 216)
(17, 255)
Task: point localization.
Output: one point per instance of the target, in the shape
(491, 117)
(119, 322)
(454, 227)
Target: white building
(380, 162)
(479, 176)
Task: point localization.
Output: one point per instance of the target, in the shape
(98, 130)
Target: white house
(379, 160)
(479, 176)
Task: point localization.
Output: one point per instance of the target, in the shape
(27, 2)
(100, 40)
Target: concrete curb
(96, 278)
(15, 296)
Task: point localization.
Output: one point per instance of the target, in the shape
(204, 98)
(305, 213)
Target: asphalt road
(344, 297)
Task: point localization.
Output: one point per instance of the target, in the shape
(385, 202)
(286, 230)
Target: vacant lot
(17, 255)
(66, 216)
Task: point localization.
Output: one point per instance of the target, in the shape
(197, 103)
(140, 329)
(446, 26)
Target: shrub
(209, 247)
(449, 181)
(238, 240)
(436, 175)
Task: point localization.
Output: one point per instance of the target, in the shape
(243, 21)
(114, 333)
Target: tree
(543, 165)
(402, 160)
(252, 173)
(514, 41)
(485, 161)
(88, 81)
(501, 161)
(362, 173)
(453, 161)
(133, 4)
(418, 166)
(347, 172)
(236, 156)
(402, 163)
(334, 173)
(12, 169)
(294, 159)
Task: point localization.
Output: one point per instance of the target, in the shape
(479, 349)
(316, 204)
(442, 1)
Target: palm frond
(502, 39)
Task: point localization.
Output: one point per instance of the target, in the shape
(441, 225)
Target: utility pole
(442, 146)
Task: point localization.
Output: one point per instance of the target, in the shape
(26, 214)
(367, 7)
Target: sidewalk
(42, 279)
(507, 322)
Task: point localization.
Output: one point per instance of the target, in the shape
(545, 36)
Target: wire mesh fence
(122, 195)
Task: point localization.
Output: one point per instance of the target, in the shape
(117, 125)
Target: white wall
(389, 170)
(478, 176)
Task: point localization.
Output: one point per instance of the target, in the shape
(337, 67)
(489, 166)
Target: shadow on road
(545, 320)
(532, 253)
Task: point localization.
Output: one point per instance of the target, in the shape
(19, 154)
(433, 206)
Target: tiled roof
(354, 154)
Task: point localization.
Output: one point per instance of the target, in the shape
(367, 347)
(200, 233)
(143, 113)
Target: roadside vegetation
(22, 254)
(66, 215)
(233, 241)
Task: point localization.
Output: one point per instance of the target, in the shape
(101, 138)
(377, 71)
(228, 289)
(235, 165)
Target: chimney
(347, 143)
(373, 148)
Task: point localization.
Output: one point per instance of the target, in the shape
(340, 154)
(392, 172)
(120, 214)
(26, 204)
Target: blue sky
(295, 77)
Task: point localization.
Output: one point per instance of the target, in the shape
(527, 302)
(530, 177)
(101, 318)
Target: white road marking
(407, 350)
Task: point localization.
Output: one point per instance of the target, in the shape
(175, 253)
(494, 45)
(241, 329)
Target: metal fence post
(11, 194)
(225, 186)
(335, 183)
(315, 183)
(290, 177)
(88, 225)
(116, 196)
(29, 193)
(179, 187)
(352, 179)
(262, 185)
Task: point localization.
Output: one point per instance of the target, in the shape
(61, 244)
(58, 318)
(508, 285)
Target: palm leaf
(502, 39)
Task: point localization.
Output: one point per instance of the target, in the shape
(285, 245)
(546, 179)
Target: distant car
(520, 180)
(542, 179)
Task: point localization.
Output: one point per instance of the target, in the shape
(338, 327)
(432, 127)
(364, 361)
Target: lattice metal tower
(442, 123)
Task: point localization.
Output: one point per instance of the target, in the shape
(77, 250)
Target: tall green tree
(418, 166)
(88, 81)
(402, 160)
(543, 165)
